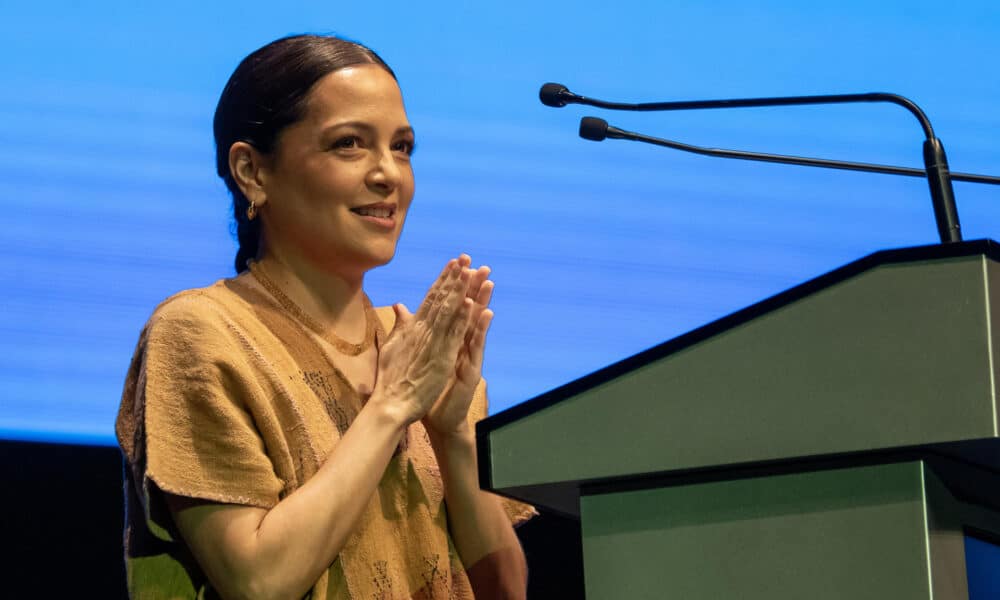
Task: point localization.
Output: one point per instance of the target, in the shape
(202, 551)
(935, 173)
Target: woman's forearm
(479, 526)
(251, 552)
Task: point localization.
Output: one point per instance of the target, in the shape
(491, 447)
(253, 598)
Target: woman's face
(339, 182)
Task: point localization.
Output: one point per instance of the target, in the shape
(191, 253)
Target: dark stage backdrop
(61, 519)
(110, 204)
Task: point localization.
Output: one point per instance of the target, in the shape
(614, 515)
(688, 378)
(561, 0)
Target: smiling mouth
(381, 211)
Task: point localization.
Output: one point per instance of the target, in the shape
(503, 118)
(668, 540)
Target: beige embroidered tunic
(229, 399)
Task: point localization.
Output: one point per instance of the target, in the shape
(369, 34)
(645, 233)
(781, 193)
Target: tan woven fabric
(230, 400)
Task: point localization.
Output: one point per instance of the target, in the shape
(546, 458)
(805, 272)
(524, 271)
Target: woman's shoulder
(220, 298)
(215, 312)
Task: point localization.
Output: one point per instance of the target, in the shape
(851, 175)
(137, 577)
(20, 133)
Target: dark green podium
(836, 441)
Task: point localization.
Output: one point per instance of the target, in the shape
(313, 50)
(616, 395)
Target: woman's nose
(385, 173)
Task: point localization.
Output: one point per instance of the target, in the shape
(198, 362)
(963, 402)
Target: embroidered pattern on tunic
(434, 578)
(383, 584)
(319, 383)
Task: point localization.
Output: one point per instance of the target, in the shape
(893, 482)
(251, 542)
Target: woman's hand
(448, 416)
(418, 360)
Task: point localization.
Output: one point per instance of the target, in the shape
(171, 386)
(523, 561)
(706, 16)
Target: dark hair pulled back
(265, 94)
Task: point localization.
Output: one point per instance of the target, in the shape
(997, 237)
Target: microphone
(597, 130)
(555, 95)
(936, 169)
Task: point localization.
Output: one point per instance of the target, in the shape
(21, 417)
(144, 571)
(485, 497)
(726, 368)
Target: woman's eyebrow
(364, 126)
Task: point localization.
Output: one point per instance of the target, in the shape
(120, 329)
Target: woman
(283, 437)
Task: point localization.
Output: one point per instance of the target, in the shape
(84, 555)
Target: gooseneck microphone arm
(557, 95)
(935, 161)
(597, 130)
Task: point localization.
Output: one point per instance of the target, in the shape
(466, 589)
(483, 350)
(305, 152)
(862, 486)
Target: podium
(836, 441)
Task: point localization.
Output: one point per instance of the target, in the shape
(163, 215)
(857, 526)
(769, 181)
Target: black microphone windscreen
(594, 129)
(551, 94)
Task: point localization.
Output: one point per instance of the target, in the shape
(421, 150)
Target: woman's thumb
(403, 316)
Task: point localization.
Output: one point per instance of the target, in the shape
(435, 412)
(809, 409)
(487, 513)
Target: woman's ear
(249, 170)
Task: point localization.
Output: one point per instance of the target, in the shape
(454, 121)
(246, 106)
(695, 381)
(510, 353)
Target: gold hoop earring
(251, 211)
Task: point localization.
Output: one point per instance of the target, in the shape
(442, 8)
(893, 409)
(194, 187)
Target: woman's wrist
(453, 449)
(390, 412)
(463, 435)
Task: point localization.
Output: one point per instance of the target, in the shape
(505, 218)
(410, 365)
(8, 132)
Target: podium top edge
(984, 247)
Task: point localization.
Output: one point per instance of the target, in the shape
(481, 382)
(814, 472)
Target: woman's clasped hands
(431, 363)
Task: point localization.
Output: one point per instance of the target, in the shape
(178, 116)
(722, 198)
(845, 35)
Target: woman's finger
(480, 291)
(432, 296)
(485, 293)
(456, 329)
(448, 308)
(480, 275)
(482, 301)
(477, 343)
(438, 293)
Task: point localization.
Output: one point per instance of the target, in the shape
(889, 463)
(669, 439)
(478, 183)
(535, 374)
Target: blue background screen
(110, 202)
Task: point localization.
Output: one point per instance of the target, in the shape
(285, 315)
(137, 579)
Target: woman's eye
(346, 142)
(404, 146)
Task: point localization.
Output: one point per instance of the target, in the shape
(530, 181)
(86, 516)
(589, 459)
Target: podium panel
(870, 533)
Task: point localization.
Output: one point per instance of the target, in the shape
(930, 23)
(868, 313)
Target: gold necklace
(342, 346)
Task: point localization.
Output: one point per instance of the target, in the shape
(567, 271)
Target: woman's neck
(335, 301)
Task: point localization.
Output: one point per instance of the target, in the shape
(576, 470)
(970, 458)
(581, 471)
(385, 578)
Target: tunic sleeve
(185, 424)
(517, 512)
